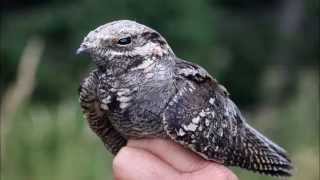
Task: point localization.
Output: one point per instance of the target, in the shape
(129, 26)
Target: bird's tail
(257, 153)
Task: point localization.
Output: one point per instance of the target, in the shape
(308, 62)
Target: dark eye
(124, 41)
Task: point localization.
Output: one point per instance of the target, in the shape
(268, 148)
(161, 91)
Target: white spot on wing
(181, 132)
(202, 114)
(122, 92)
(211, 101)
(188, 71)
(104, 107)
(196, 120)
(190, 127)
(124, 99)
(124, 105)
(105, 101)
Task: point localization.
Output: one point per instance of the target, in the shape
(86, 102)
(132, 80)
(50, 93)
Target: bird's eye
(124, 41)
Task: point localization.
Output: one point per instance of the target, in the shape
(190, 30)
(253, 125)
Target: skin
(144, 160)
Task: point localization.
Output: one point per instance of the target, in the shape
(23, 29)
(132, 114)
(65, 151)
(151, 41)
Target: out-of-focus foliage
(231, 39)
(265, 52)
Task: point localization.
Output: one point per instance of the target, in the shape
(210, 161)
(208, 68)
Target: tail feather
(257, 153)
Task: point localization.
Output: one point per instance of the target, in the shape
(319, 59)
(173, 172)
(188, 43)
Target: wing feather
(199, 115)
(202, 117)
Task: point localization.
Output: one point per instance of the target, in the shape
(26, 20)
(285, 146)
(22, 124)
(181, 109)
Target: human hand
(158, 159)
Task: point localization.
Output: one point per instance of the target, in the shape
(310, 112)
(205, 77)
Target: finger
(137, 164)
(212, 170)
(172, 153)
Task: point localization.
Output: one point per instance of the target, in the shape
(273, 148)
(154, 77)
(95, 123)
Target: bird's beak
(82, 49)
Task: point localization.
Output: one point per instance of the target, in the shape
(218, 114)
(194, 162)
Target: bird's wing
(202, 117)
(93, 102)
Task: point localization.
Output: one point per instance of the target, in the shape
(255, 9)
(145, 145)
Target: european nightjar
(141, 89)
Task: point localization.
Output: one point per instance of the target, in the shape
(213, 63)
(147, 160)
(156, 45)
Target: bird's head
(124, 43)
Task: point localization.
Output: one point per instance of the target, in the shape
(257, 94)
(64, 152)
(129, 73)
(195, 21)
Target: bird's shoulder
(194, 73)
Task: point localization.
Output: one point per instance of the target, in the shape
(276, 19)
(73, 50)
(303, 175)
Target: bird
(139, 89)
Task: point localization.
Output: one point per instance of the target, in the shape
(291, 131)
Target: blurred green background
(265, 52)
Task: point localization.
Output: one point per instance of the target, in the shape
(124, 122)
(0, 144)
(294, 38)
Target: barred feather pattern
(96, 116)
(259, 154)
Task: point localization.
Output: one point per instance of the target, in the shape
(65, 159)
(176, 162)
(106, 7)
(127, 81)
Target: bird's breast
(136, 107)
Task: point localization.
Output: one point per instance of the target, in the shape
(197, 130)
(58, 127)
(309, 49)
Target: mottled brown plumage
(140, 89)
